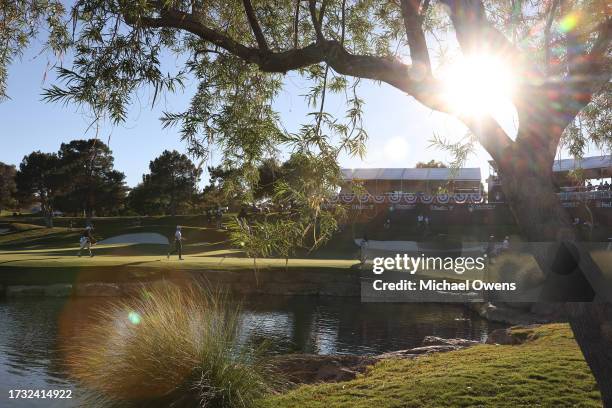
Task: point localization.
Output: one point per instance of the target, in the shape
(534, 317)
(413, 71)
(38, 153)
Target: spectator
(363, 255)
(506, 244)
(86, 241)
(490, 251)
(387, 224)
(426, 224)
(219, 217)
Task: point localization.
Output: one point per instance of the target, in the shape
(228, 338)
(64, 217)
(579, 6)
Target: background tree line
(80, 179)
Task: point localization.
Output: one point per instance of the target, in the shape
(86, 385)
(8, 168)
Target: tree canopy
(90, 184)
(239, 53)
(8, 187)
(170, 187)
(79, 178)
(432, 164)
(20, 22)
(37, 180)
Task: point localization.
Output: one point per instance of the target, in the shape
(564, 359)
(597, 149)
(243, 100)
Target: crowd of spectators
(588, 186)
(600, 187)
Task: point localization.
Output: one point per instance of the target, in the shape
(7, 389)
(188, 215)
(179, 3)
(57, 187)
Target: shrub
(170, 347)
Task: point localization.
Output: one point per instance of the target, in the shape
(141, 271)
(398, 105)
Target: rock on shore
(312, 368)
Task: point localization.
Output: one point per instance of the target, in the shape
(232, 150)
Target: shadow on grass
(55, 237)
(26, 260)
(130, 250)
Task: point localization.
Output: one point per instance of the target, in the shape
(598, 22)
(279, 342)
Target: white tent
(425, 174)
(587, 163)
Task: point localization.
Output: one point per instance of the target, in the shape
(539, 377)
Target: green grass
(31, 233)
(118, 263)
(547, 371)
(32, 254)
(29, 247)
(151, 256)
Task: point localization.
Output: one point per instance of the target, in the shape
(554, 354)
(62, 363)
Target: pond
(32, 331)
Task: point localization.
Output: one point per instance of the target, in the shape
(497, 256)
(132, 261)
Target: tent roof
(471, 174)
(587, 163)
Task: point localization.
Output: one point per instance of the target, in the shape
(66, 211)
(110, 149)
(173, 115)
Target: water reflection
(29, 357)
(347, 326)
(33, 330)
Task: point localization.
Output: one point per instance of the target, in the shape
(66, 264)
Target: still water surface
(33, 330)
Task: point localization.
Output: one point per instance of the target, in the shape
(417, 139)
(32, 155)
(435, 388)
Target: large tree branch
(170, 18)
(490, 135)
(317, 21)
(343, 23)
(591, 73)
(296, 21)
(250, 12)
(604, 36)
(424, 88)
(561, 99)
(476, 34)
(386, 69)
(549, 20)
(424, 9)
(594, 69)
(416, 37)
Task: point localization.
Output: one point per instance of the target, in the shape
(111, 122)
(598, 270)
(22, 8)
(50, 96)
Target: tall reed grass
(170, 347)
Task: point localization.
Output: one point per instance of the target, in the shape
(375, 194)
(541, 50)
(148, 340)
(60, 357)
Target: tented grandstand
(457, 196)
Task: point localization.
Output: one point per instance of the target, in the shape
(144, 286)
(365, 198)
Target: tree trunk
(592, 326)
(570, 273)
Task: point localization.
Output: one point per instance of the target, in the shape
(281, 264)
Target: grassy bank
(29, 250)
(121, 262)
(30, 233)
(32, 254)
(546, 371)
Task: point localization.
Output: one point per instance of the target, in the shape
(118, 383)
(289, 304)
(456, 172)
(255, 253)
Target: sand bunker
(413, 246)
(138, 238)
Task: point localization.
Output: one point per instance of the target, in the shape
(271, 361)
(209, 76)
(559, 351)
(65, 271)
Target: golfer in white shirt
(178, 243)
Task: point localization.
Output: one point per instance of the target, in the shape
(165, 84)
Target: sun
(478, 85)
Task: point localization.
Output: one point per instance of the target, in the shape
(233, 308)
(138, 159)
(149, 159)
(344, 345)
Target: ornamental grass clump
(170, 347)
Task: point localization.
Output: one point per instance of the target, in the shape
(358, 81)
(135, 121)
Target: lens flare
(134, 318)
(568, 23)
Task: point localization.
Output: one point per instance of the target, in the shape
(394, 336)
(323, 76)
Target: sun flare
(478, 85)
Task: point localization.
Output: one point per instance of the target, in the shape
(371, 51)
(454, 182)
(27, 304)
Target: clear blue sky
(399, 127)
